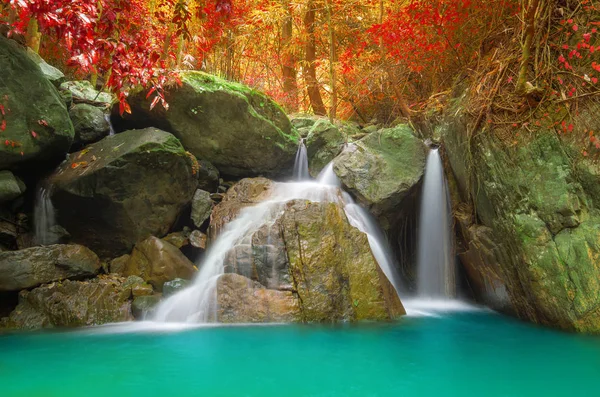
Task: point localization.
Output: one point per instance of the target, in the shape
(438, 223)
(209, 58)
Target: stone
(11, 187)
(83, 91)
(208, 176)
(239, 130)
(382, 169)
(143, 306)
(332, 268)
(89, 123)
(323, 143)
(141, 290)
(198, 239)
(33, 104)
(117, 265)
(171, 287)
(31, 267)
(51, 73)
(178, 239)
(202, 206)
(123, 189)
(241, 300)
(72, 304)
(157, 262)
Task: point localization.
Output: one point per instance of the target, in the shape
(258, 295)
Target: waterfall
(111, 130)
(44, 217)
(198, 303)
(301, 163)
(435, 264)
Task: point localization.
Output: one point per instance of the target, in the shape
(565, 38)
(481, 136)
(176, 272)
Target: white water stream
(44, 217)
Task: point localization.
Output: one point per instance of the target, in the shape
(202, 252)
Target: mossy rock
(323, 142)
(123, 189)
(239, 130)
(38, 127)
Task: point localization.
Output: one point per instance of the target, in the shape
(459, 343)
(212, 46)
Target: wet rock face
(31, 103)
(123, 189)
(240, 131)
(534, 248)
(89, 123)
(72, 304)
(382, 169)
(31, 267)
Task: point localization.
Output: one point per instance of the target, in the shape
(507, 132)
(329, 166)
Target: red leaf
(3, 125)
(154, 102)
(34, 134)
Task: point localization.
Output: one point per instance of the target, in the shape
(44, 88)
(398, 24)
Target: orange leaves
(82, 164)
(3, 125)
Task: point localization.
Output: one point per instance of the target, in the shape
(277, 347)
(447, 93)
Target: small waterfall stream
(198, 303)
(435, 263)
(111, 130)
(44, 217)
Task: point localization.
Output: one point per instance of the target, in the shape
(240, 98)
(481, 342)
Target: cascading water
(198, 303)
(44, 217)
(111, 130)
(301, 163)
(435, 263)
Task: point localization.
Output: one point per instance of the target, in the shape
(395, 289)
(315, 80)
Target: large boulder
(304, 247)
(38, 265)
(157, 262)
(54, 75)
(73, 304)
(239, 130)
(382, 169)
(529, 221)
(83, 92)
(123, 189)
(90, 124)
(34, 123)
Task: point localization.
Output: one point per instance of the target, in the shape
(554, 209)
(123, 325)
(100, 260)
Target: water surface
(459, 354)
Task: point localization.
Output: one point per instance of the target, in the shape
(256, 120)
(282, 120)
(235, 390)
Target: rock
(178, 239)
(241, 300)
(217, 196)
(171, 287)
(208, 176)
(89, 123)
(11, 187)
(201, 207)
(240, 131)
(51, 73)
(31, 103)
(157, 262)
(132, 281)
(83, 91)
(123, 189)
(141, 290)
(533, 248)
(198, 239)
(117, 265)
(332, 267)
(143, 306)
(323, 143)
(72, 304)
(38, 265)
(382, 169)
(309, 249)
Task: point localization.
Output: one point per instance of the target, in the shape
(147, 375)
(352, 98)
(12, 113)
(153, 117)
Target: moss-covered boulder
(332, 267)
(73, 304)
(123, 189)
(54, 75)
(528, 222)
(89, 123)
(241, 300)
(157, 262)
(83, 92)
(11, 186)
(324, 141)
(35, 121)
(239, 130)
(31, 267)
(382, 169)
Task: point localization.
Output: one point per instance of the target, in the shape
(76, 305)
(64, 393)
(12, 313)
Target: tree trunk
(332, 60)
(529, 28)
(34, 37)
(290, 83)
(310, 73)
